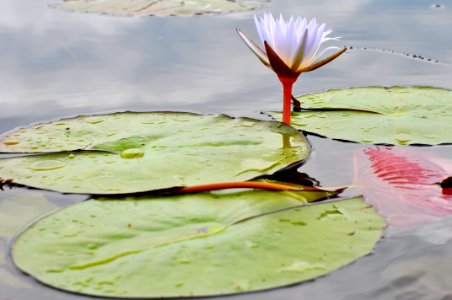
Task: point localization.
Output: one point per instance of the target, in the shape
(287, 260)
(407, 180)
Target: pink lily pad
(403, 184)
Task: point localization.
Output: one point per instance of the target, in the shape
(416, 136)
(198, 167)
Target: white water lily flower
(291, 47)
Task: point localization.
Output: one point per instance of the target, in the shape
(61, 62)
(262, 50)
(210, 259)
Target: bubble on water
(438, 5)
(418, 57)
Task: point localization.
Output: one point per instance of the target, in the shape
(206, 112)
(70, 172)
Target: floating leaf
(149, 151)
(195, 245)
(373, 115)
(403, 184)
(157, 7)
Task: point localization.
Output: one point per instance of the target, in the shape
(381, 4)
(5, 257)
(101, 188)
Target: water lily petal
(292, 38)
(255, 48)
(323, 62)
(291, 44)
(300, 53)
(318, 54)
(280, 45)
(278, 64)
(328, 49)
(314, 46)
(267, 26)
(259, 29)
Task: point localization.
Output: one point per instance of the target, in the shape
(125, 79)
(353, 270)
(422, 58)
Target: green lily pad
(157, 7)
(374, 115)
(133, 152)
(195, 245)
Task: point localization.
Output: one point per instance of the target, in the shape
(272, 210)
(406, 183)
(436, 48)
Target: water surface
(57, 64)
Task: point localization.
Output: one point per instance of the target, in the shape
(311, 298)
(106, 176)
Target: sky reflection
(58, 63)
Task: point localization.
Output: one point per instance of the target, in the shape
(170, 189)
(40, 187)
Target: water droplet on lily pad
(302, 266)
(46, 165)
(95, 121)
(132, 153)
(183, 260)
(250, 244)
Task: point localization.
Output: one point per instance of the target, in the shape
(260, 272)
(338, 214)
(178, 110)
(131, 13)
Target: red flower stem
(287, 106)
(287, 83)
(243, 185)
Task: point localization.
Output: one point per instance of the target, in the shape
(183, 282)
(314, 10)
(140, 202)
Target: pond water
(56, 64)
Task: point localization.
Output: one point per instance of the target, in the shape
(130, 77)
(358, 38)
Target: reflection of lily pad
(157, 7)
(194, 245)
(397, 115)
(7, 277)
(149, 151)
(16, 212)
